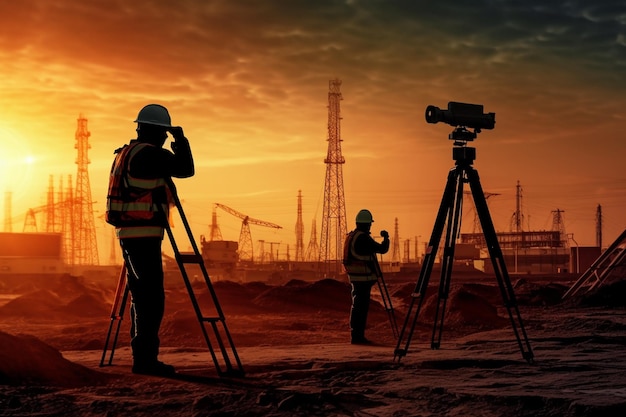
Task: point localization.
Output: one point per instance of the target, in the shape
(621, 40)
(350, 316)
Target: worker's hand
(384, 234)
(177, 132)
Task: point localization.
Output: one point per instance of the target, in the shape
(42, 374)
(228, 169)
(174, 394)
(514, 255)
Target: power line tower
(299, 231)
(313, 249)
(85, 243)
(517, 219)
(395, 254)
(50, 207)
(68, 229)
(334, 215)
(558, 225)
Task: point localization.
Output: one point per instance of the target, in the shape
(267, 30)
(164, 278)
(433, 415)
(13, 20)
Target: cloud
(248, 80)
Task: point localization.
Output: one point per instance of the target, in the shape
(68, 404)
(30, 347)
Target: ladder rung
(189, 258)
(211, 319)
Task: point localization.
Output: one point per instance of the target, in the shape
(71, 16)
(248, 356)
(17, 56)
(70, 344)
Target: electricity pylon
(334, 215)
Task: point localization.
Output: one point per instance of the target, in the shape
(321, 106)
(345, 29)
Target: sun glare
(16, 164)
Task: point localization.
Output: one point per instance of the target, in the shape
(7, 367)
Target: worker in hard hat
(137, 186)
(361, 265)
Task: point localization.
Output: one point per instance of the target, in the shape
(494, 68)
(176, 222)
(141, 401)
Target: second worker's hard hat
(364, 216)
(154, 114)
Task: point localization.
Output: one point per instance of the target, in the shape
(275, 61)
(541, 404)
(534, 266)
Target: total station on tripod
(462, 116)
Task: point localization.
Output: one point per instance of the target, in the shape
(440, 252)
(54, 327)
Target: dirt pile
(25, 359)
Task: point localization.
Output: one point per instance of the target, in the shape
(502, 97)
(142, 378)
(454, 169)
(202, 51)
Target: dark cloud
(236, 41)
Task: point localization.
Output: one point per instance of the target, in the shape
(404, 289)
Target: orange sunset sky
(248, 81)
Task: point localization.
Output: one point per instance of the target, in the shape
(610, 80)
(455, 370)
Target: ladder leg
(196, 258)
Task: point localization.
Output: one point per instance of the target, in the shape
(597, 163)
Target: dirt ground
(293, 343)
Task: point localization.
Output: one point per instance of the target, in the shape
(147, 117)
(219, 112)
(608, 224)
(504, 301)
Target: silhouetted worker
(137, 186)
(362, 267)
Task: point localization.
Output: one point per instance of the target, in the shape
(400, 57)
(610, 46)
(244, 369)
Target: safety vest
(130, 201)
(360, 268)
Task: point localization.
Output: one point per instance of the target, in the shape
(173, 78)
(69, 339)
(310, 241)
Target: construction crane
(245, 238)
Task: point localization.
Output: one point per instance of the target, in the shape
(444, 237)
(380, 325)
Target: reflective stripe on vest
(139, 231)
(358, 267)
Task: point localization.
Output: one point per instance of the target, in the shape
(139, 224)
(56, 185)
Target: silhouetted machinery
(462, 116)
(245, 238)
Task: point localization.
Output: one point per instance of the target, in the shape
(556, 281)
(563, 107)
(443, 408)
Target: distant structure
(599, 226)
(395, 254)
(525, 251)
(85, 246)
(558, 225)
(246, 251)
(313, 249)
(299, 231)
(476, 226)
(214, 230)
(517, 219)
(334, 227)
(68, 248)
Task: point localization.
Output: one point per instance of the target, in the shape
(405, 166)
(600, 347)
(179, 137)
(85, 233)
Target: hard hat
(364, 216)
(154, 114)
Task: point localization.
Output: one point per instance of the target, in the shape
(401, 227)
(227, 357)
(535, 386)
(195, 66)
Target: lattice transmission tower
(558, 225)
(334, 215)
(313, 249)
(517, 219)
(395, 253)
(299, 231)
(84, 229)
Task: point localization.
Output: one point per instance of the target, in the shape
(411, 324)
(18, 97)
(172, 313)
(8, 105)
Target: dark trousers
(360, 306)
(145, 281)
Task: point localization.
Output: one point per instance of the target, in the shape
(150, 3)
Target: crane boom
(247, 219)
(245, 238)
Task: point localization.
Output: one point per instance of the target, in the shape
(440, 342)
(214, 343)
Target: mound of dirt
(465, 307)
(27, 360)
(327, 294)
(530, 293)
(36, 304)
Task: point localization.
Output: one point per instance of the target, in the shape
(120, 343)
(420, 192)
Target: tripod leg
(452, 232)
(117, 313)
(384, 295)
(497, 259)
(429, 258)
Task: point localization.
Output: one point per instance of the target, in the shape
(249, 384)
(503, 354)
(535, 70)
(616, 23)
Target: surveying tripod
(386, 298)
(450, 214)
(220, 337)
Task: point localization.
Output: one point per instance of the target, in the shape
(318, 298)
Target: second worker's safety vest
(360, 268)
(130, 201)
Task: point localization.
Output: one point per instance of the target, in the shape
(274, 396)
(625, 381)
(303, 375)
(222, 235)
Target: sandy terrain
(293, 341)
